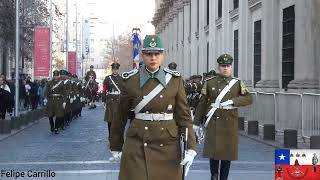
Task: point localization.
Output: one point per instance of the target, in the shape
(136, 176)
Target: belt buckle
(155, 117)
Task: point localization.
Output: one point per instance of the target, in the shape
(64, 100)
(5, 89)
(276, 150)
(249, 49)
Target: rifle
(183, 144)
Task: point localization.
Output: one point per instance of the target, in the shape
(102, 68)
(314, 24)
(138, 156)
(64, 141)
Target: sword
(183, 144)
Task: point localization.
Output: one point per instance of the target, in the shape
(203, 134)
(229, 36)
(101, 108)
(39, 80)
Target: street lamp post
(51, 26)
(67, 38)
(16, 107)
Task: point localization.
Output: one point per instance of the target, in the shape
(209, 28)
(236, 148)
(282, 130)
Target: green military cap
(63, 72)
(225, 59)
(115, 65)
(212, 73)
(56, 73)
(172, 66)
(152, 43)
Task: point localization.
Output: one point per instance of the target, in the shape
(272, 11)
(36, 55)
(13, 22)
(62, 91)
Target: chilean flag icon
(291, 164)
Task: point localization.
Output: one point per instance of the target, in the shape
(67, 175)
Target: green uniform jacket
(112, 100)
(221, 138)
(54, 107)
(151, 150)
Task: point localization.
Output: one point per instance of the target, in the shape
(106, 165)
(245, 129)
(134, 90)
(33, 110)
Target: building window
(236, 53)
(219, 8)
(208, 57)
(235, 4)
(208, 12)
(198, 11)
(288, 46)
(257, 53)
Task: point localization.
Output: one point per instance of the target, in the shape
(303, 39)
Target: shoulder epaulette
(127, 75)
(210, 78)
(174, 73)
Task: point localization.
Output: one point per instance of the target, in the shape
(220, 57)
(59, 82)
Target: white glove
(188, 159)
(45, 101)
(71, 100)
(82, 99)
(196, 129)
(116, 156)
(227, 103)
(64, 105)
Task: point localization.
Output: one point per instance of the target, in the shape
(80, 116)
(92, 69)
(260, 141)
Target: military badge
(169, 107)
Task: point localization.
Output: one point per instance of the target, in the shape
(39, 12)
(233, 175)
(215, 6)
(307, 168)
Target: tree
(119, 50)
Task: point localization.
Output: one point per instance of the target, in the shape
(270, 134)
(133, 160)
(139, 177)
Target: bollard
(269, 132)
(315, 142)
(23, 120)
(290, 138)
(5, 126)
(253, 128)
(15, 124)
(241, 123)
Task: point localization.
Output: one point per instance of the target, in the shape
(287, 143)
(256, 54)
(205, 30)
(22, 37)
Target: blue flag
(282, 156)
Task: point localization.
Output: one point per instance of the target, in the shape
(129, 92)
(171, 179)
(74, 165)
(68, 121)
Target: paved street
(80, 152)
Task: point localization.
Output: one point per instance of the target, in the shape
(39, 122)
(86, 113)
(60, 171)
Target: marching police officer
(91, 74)
(111, 95)
(151, 149)
(172, 66)
(221, 96)
(54, 96)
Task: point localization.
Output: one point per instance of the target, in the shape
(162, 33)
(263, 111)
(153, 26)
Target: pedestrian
(4, 98)
(111, 95)
(54, 95)
(151, 149)
(221, 96)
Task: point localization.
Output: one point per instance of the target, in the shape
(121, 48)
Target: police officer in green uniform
(91, 74)
(111, 95)
(221, 97)
(151, 149)
(54, 97)
(67, 85)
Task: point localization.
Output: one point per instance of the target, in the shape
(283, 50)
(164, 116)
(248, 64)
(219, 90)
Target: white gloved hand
(188, 160)
(226, 103)
(116, 156)
(45, 101)
(71, 100)
(64, 105)
(196, 129)
(82, 99)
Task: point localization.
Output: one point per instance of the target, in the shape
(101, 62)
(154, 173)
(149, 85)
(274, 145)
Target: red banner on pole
(72, 62)
(41, 52)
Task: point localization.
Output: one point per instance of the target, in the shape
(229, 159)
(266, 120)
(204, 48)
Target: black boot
(214, 169)
(51, 124)
(224, 169)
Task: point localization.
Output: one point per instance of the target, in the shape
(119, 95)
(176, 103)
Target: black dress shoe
(56, 131)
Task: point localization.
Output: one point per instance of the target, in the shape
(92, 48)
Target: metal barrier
(289, 111)
(248, 112)
(310, 114)
(266, 108)
(286, 110)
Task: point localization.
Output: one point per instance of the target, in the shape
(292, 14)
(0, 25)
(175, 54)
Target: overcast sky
(124, 14)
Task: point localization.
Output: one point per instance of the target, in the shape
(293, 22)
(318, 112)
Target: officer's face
(153, 60)
(115, 71)
(225, 70)
(55, 77)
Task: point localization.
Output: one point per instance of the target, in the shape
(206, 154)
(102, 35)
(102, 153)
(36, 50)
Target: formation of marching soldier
(64, 97)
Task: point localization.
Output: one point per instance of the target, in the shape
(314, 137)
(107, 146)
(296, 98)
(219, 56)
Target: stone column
(269, 47)
(307, 47)
(194, 42)
(186, 37)
(180, 40)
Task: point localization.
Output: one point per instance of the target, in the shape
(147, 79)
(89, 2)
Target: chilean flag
(291, 164)
(136, 41)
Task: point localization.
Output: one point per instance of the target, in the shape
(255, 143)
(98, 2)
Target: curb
(20, 130)
(256, 138)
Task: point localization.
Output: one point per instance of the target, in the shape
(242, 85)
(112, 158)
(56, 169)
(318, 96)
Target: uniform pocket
(173, 131)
